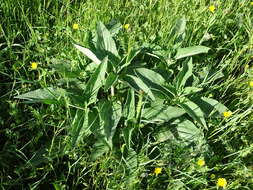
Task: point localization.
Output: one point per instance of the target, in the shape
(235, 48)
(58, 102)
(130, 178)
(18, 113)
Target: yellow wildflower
(34, 65)
(251, 2)
(221, 182)
(212, 176)
(157, 171)
(126, 26)
(201, 162)
(75, 26)
(210, 95)
(212, 8)
(251, 83)
(227, 114)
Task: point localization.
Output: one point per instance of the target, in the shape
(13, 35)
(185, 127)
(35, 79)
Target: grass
(35, 151)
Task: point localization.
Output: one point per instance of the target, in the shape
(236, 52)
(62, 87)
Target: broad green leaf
(180, 129)
(184, 74)
(90, 68)
(151, 75)
(127, 135)
(190, 90)
(114, 27)
(178, 32)
(163, 134)
(96, 81)
(161, 113)
(88, 53)
(65, 68)
(195, 112)
(94, 122)
(186, 130)
(110, 80)
(209, 75)
(210, 107)
(179, 28)
(131, 162)
(57, 186)
(98, 149)
(110, 114)
(79, 127)
(130, 56)
(168, 90)
(138, 84)
(155, 82)
(46, 95)
(105, 42)
(190, 51)
(129, 107)
(131, 159)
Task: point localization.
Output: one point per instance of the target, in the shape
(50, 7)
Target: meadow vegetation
(126, 94)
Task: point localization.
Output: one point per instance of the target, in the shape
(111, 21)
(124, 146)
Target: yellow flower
(227, 114)
(251, 83)
(157, 171)
(221, 182)
(210, 96)
(75, 26)
(201, 162)
(126, 26)
(251, 2)
(34, 65)
(212, 176)
(212, 8)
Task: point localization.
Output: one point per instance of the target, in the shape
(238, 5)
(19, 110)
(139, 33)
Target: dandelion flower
(221, 182)
(201, 162)
(251, 83)
(34, 65)
(126, 26)
(75, 26)
(212, 8)
(227, 114)
(157, 171)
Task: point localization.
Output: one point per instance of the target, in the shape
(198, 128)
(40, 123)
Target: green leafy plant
(119, 93)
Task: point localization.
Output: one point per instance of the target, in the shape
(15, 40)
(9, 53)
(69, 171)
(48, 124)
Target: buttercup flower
(34, 65)
(201, 162)
(212, 8)
(251, 83)
(221, 182)
(75, 26)
(227, 114)
(126, 26)
(157, 171)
